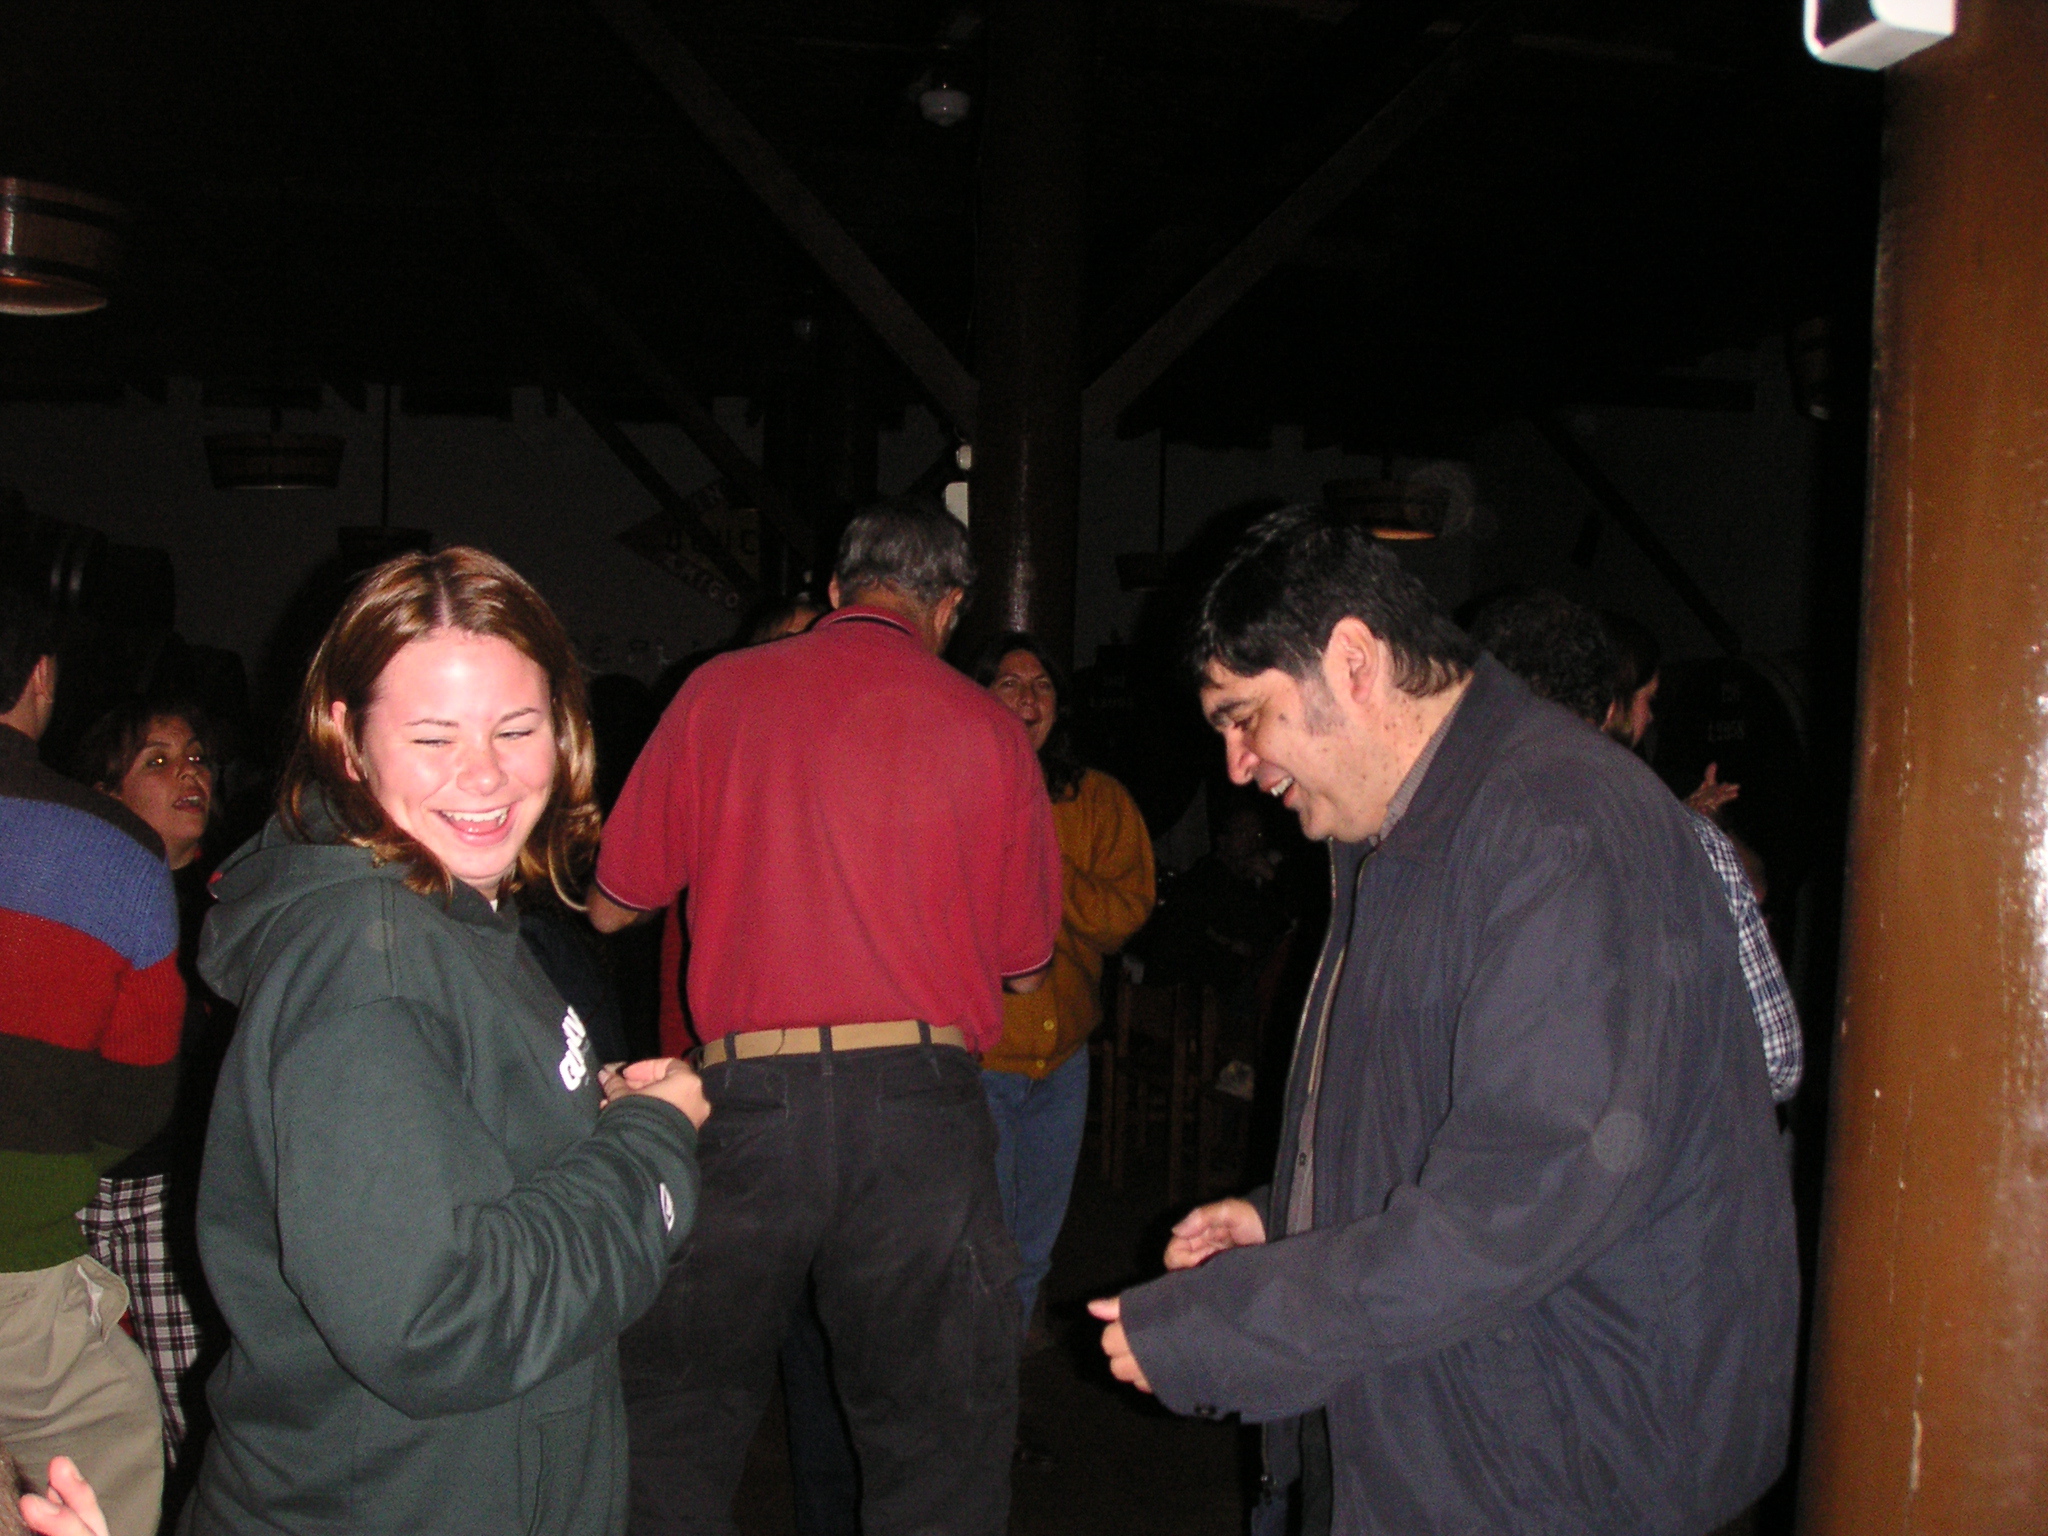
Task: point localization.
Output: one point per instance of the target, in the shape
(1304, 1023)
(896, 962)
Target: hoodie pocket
(561, 1492)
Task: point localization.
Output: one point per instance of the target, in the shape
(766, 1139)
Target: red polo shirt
(862, 833)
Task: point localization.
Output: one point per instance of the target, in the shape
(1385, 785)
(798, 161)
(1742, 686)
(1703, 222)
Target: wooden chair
(1216, 1108)
(1153, 1053)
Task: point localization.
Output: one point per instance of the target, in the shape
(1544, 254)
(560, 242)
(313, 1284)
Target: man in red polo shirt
(869, 859)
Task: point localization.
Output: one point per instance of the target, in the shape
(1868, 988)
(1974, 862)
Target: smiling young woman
(427, 1209)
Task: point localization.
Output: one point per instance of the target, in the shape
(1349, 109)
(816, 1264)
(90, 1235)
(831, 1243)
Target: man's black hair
(1058, 758)
(1556, 646)
(915, 546)
(1295, 573)
(28, 633)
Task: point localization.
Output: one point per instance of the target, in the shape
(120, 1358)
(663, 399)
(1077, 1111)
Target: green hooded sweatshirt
(425, 1237)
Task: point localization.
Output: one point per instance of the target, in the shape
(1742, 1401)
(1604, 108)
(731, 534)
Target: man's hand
(1209, 1229)
(69, 1509)
(1712, 793)
(608, 916)
(667, 1078)
(1123, 1365)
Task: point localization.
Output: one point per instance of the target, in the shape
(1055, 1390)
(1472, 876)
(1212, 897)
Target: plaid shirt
(1776, 1017)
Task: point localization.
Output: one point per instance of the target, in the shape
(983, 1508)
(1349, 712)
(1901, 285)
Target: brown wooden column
(1929, 1400)
(1027, 311)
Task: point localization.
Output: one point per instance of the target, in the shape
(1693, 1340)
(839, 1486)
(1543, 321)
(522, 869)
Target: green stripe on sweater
(41, 1194)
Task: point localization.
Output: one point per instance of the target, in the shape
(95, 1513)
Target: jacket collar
(1462, 759)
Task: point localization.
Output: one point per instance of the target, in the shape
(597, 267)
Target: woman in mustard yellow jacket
(1037, 1075)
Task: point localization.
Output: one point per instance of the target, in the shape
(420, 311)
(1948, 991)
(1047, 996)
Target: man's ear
(1354, 660)
(44, 679)
(832, 591)
(948, 614)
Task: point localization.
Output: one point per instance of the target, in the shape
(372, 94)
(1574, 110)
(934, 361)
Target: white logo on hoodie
(572, 1065)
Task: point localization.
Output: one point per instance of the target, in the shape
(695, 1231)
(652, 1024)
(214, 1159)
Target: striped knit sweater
(90, 1000)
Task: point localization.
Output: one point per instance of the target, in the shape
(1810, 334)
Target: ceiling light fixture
(275, 460)
(57, 248)
(1395, 510)
(943, 104)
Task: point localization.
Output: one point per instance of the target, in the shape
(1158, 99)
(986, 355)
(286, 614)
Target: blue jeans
(1038, 1145)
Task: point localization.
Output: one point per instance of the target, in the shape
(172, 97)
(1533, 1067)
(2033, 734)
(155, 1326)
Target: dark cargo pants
(873, 1171)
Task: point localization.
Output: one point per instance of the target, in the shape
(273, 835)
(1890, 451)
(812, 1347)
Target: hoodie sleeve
(440, 1281)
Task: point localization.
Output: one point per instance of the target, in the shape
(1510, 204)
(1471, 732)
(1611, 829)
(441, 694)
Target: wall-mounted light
(1875, 34)
(955, 495)
(58, 248)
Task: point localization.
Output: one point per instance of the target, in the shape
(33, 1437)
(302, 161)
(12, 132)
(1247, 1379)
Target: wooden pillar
(1027, 308)
(1929, 1400)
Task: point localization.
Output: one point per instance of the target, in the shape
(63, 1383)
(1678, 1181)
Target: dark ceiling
(1609, 192)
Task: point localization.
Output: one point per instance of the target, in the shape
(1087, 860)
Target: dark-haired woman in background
(1037, 1075)
(156, 757)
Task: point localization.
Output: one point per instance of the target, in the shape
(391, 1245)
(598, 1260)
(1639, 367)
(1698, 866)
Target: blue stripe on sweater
(69, 867)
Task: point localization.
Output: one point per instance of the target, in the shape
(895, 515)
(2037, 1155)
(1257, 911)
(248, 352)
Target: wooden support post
(1929, 1379)
(1025, 504)
(795, 207)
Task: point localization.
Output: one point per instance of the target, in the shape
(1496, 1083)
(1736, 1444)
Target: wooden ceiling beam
(672, 501)
(1284, 230)
(1632, 522)
(916, 345)
(717, 445)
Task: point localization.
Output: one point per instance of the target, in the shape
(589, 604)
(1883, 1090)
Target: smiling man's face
(1302, 743)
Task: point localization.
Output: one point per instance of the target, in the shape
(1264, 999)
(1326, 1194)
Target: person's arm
(138, 1065)
(1548, 1153)
(1108, 891)
(1770, 995)
(644, 858)
(1026, 907)
(608, 916)
(441, 1281)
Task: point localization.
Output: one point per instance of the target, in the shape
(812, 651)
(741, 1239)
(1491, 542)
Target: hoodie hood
(276, 868)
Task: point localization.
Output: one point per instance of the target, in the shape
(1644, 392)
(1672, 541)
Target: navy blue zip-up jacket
(1551, 1283)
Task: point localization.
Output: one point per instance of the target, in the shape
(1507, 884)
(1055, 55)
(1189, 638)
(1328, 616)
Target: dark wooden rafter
(938, 372)
(1637, 527)
(717, 445)
(657, 485)
(1283, 230)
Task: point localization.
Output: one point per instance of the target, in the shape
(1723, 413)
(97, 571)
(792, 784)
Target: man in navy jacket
(1528, 1260)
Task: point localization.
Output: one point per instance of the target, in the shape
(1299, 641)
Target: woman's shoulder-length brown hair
(403, 600)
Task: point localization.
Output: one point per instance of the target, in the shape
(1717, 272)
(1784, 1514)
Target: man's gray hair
(914, 546)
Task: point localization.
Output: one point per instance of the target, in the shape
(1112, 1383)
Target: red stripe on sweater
(67, 989)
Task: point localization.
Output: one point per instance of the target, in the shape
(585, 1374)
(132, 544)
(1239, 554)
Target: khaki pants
(73, 1384)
